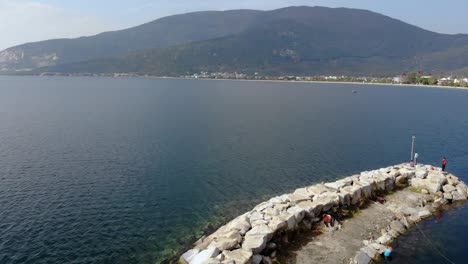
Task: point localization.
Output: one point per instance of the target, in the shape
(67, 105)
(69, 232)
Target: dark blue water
(97, 170)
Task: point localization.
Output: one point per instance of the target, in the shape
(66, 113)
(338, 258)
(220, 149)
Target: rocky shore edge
(252, 237)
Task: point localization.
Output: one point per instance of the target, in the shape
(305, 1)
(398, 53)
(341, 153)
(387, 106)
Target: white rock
(384, 239)
(448, 196)
(290, 219)
(282, 206)
(371, 252)
(327, 201)
(240, 225)
(448, 188)
(317, 189)
(458, 196)
(345, 198)
(296, 197)
(397, 226)
(421, 173)
(304, 192)
(277, 224)
(227, 241)
(362, 258)
(239, 256)
(432, 185)
(354, 192)
(378, 247)
(256, 239)
(461, 189)
(338, 184)
(279, 199)
(189, 255)
(271, 211)
(298, 212)
(256, 216)
(424, 213)
(307, 206)
(367, 188)
(205, 255)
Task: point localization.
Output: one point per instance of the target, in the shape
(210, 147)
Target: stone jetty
(255, 236)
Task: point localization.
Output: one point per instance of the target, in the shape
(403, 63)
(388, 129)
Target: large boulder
(437, 176)
(289, 219)
(298, 212)
(384, 239)
(461, 189)
(354, 192)
(304, 192)
(432, 185)
(227, 241)
(279, 199)
(424, 213)
(326, 201)
(254, 244)
(345, 198)
(367, 187)
(339, 183)
(239, 224)
(362, 258)
(239, 256)
(263, 206)
(448, 188)
(205, 255)
(370, 251)
(407, 172)
(456, 196)
(271, 212)
(189, 255)
(378, 247)
(448, 196)
(397, 226)
(255, 215)
(308, 207)
(421, 173)
(297, 197)
(277, 224)
(317, 189)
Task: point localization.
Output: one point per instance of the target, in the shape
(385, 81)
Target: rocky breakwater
(255, 236)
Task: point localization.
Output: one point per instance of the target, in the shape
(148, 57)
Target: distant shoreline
(321, 82)
(252, 80)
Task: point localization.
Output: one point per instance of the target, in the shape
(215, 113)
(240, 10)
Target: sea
(133, 170)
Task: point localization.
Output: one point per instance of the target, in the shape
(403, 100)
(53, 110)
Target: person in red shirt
(444, 163)
(328, 220)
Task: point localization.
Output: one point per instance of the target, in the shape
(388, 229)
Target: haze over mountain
(294, 40)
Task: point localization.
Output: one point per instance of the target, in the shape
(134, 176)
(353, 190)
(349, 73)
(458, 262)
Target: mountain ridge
(292, 40)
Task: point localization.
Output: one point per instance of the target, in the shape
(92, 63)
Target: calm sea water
(97, 170)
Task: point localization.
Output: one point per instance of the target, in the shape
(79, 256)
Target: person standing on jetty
(444, 163)
(388, 254)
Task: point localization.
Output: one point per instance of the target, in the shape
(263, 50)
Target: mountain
(294, 40)
(163, 32)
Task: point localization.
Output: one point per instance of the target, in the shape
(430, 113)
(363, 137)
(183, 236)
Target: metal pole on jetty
(412, 148)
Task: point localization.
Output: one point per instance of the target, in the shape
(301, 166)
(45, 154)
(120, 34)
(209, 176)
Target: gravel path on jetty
(338, 246)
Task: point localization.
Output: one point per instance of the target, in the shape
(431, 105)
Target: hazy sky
(33, 20)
